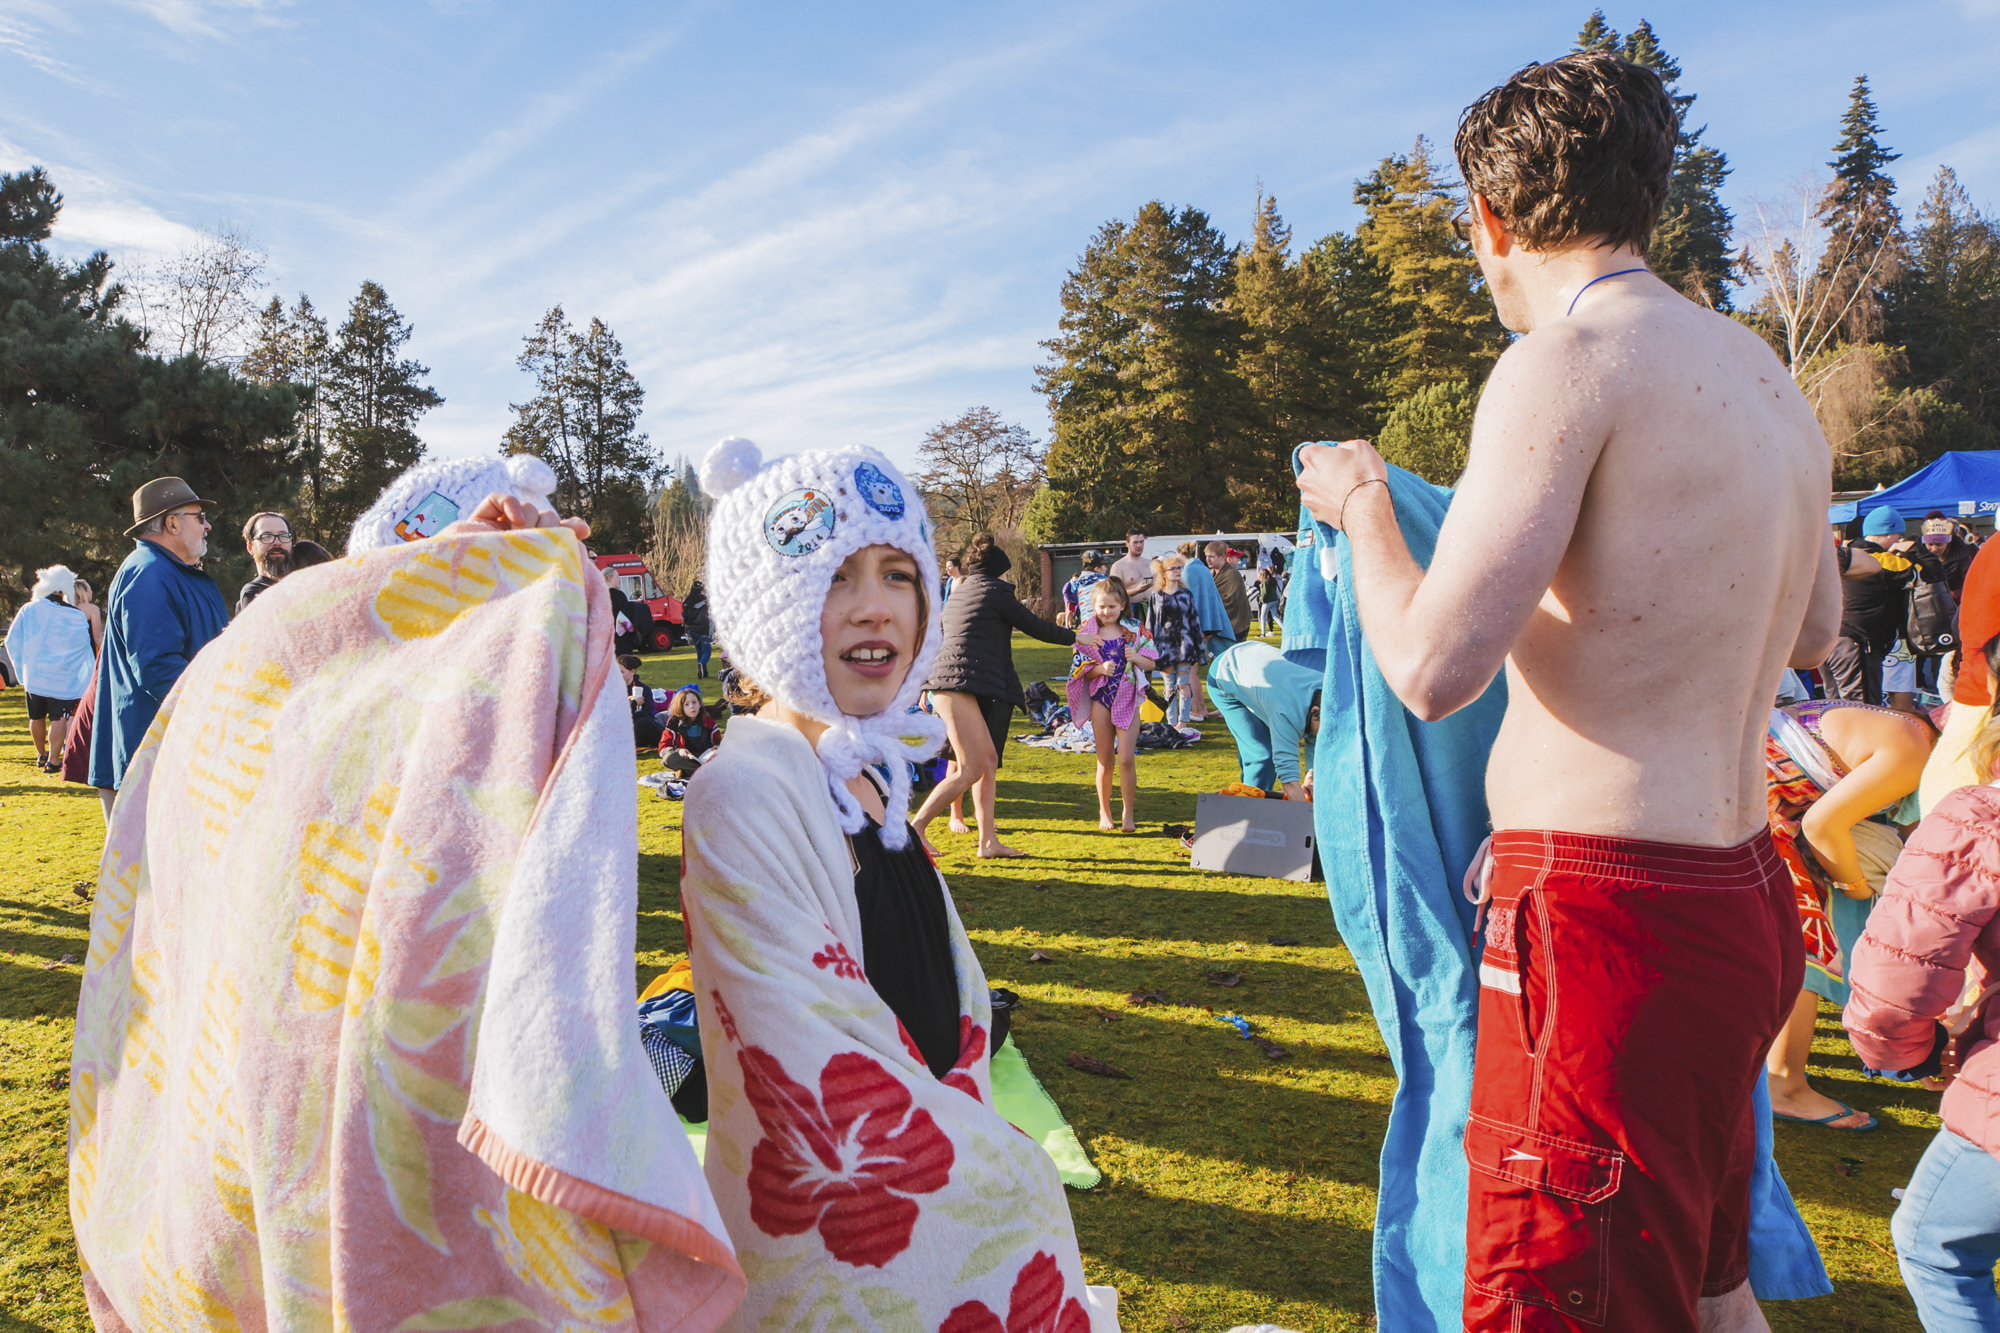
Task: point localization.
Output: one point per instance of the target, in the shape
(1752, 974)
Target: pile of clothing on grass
(1060, 733)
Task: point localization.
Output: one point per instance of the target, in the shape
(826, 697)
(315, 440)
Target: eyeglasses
(192, 513)
(1461, 222)
(266, 538)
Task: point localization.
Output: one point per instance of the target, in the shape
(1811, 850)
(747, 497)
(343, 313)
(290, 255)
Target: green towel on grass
(1022, 1101)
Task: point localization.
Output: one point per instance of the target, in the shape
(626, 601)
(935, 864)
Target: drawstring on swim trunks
(1479, 873)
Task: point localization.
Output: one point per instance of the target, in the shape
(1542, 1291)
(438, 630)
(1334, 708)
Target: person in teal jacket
(161, 611)
(1271, 706)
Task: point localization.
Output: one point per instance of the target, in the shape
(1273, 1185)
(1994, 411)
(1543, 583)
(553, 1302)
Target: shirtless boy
(1135, 569)
(1640, 539)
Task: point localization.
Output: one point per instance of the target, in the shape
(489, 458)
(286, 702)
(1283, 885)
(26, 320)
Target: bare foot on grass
(958, 825)
(1104, 824)
(998, 850)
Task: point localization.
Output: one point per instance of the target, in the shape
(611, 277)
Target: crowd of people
(1707, 804)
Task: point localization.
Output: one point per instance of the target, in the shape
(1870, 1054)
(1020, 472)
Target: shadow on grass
(1863, 1307)
(50, 788)
(1185, 1241)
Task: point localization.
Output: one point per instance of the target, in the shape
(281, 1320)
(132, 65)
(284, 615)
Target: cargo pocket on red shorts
(1541, 1216)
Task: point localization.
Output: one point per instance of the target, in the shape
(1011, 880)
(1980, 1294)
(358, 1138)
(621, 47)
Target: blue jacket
(160, 612)
(1208, 605)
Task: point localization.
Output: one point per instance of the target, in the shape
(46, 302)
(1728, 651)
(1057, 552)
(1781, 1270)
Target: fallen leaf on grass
(1039, 957)
(1283, 941)
(1106, 1015)
(55, 963)
(1847, 1166)
(1090, 1064)
(1378, 1055)
(1220, 978)
(1146, 997)
(57, 1080)
(1271, 1049)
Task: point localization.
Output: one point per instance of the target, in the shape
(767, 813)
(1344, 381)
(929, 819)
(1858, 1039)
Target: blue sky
(826, 224)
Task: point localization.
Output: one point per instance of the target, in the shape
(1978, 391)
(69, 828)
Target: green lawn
(1237, 1190)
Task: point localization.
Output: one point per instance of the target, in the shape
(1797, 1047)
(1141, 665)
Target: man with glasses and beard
(161, 610)
(268, 539)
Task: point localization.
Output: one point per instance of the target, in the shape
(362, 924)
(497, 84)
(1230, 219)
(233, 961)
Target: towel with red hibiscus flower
(856, 1186)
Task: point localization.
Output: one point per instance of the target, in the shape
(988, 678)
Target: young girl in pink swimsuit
(1105, 682)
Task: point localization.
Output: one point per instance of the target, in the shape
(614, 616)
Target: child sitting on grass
(1105, 682)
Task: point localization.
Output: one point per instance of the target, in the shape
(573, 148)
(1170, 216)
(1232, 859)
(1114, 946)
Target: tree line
(1185, 368)
(180, 367)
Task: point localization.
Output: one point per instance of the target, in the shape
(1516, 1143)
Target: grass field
(1236, 1190)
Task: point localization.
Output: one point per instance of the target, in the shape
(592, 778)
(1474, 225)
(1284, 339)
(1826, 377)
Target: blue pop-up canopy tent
(1958, 485)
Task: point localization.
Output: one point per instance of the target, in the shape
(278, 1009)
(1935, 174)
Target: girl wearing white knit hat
(852, 1149)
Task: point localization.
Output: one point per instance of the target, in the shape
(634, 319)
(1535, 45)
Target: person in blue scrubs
(1271, 706)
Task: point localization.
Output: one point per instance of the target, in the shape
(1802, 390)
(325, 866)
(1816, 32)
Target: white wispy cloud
(207, 18)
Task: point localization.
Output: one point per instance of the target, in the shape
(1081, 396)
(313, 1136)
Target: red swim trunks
(1628, 994)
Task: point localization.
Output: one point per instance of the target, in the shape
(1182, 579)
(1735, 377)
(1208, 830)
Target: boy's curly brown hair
(1580, 148)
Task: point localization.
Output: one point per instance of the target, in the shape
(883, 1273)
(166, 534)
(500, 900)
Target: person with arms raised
(1639, 540)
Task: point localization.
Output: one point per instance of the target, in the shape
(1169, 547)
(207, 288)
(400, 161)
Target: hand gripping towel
(355, 1046)
(1400, 809)
(861, 1192)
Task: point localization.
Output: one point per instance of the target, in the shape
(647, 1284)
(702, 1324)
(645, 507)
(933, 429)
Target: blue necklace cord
(1593, 282)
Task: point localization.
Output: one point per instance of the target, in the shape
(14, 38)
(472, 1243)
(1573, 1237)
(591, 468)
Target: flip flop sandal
(1827, 1120)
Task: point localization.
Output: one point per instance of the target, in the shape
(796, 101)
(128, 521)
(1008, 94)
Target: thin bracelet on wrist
(1341, 521)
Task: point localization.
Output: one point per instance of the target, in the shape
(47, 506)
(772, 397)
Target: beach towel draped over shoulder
(860, 1190)
(355, 1045)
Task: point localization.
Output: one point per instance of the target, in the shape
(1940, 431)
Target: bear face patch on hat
(430, 497)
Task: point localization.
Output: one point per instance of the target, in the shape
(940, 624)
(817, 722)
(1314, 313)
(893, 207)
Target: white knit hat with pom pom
(431, 496)
(778, 532)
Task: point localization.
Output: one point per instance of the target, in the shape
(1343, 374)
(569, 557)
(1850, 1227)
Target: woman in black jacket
(973, 685)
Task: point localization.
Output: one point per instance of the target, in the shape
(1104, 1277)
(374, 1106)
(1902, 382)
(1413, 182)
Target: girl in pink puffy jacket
(1938, 921)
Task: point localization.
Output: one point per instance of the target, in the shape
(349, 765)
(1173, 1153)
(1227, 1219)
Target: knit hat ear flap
(778, 533)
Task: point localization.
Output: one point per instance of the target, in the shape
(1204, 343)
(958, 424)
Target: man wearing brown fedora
(161, 610)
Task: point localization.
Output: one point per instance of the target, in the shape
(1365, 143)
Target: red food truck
(636, 582)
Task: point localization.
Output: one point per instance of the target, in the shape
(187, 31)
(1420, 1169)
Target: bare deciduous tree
(204, 299)
(1811, 280)
(978, 474)
(1816, 280)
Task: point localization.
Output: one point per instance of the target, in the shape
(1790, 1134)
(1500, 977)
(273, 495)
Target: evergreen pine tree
(1864, 252)
(290, 347)
(373, 400)
(583, 420)
(1363, 315)
(86, 415)
(1442, 325)
(1142, 385)
(1690, 248)
(1294, 365)
(1945, 310)
(1597, 35)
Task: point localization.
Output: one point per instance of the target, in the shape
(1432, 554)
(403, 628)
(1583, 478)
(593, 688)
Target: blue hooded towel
(1399, 806)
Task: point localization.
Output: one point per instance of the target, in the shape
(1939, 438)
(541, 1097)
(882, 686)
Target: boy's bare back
(1640, 688)
(1640, 536)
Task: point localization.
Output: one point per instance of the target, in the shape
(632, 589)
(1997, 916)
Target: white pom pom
(531, 474)
(729, 464)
